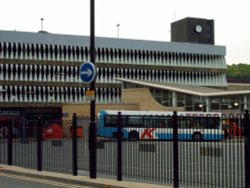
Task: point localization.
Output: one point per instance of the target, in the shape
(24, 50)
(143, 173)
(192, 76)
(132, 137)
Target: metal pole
(119, 148)
(74, 145)
(10, 143)
(92, 129)
(247, 149)
(42, 24)
(39, 144)
(117, 25)
(175, 152)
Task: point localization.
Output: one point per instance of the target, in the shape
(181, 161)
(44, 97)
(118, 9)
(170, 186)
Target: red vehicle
(234, 130)
(53, 131)
(78, 132)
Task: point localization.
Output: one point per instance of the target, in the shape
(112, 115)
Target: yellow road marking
(49, 182)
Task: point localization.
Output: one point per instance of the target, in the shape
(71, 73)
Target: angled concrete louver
(39, 59)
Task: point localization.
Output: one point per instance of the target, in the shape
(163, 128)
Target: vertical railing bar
(39, 145)
(10, 143)
(247, 149)
(119, 147)
(74, 145)
(175, 150)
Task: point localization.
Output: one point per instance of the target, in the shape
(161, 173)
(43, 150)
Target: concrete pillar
(245, 102)
(208, 106)
(174, 99)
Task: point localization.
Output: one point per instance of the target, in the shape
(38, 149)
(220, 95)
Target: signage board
(87, 72)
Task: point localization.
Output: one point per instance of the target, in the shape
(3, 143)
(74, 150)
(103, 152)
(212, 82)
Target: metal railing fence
(173, 160)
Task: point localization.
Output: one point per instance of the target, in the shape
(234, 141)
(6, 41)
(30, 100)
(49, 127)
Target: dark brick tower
(193, 30)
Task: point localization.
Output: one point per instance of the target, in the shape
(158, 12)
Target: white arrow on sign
(88, 72)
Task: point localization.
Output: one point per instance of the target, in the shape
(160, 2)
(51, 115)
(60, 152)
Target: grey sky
(138, 19)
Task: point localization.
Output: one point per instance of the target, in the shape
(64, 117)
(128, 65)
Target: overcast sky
(138, 19)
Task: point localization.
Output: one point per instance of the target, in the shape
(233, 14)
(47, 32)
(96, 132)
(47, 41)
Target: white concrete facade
(44, 67)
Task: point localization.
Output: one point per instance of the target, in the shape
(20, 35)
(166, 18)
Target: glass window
(162, 96)
(225, 104)
(165, 96)
(157, 93)
(165, 103)
(189, 108)
(189, 100)
(111, 120)
(248, 101)
(180, 100)
(215, 104)
(158, 99)
(228, 103)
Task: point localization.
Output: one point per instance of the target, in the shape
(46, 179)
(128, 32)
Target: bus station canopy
(186, 89)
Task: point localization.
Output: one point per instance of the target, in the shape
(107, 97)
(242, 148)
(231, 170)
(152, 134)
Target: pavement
(79, 180)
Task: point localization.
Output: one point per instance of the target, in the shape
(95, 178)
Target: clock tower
(193, 30)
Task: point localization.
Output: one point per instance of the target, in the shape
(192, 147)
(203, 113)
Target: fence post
(247, 149)
(10, 143)
(39, 144)
(119, 147)
(74, 144)
(175, 152)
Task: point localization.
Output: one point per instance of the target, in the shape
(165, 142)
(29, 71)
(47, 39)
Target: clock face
(198, 28)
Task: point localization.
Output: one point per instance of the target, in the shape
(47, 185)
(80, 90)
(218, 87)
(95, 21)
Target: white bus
(156, 125)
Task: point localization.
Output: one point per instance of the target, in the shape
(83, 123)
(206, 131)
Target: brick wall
(145, 100)
(132, 99)
(84, 109)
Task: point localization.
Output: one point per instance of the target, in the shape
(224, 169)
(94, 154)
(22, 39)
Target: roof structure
(186, 89)
(104, 42)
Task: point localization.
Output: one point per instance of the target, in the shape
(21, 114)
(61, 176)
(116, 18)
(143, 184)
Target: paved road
(17, 181)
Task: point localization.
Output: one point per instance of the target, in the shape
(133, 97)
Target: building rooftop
(101, 42)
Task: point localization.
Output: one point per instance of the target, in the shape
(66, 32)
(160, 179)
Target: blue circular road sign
(87, 72)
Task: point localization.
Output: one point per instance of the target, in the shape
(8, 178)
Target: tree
(238, 70)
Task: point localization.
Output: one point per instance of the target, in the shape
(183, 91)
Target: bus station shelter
(193, 97)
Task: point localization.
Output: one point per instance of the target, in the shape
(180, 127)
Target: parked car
(53, 131)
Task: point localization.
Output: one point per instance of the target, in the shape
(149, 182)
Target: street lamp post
(117, 25)
(42, 24)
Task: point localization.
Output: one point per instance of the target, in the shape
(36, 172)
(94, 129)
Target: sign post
(87, 75)
(92, 129)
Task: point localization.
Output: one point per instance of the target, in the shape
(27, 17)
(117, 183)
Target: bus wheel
(197, 137)
(133, 136)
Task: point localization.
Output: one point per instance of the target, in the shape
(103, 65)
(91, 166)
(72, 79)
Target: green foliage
(238, 70)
